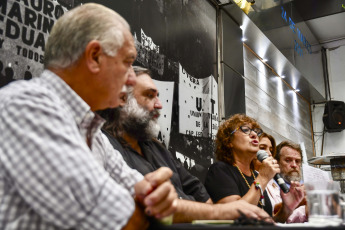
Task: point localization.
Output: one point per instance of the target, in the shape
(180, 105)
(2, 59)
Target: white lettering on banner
(24, 29)
(190, 77)
(198, 105)
(166, 92)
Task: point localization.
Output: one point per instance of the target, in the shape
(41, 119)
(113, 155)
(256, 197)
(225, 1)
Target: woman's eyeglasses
(245, 129)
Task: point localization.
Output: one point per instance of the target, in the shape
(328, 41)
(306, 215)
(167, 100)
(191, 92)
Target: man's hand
(294, 197)
(157, 193)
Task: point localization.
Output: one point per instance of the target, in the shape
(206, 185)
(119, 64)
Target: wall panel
(280, 111)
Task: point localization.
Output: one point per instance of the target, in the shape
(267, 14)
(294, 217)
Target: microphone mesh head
(261, 155)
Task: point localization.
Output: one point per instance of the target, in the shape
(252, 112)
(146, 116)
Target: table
(243, 227)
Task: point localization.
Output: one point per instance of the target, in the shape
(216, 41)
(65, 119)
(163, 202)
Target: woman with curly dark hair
(233, 176)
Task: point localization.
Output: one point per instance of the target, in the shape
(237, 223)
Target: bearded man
(132, 130)
(289, 157)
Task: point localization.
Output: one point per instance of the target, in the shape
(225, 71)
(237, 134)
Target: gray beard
(292, 176)
(137, 121)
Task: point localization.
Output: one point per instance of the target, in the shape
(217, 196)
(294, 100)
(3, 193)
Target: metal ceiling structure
(325, 19)
(311, 25)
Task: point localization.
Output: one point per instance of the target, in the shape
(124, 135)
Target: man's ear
(93, 56)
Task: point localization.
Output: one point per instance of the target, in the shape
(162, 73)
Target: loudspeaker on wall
(334, 116)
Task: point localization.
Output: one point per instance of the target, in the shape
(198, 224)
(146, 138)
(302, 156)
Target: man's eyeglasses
(245, 129)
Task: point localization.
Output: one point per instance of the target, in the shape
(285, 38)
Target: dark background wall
(185, 32)
(168, 34)
(232, 66)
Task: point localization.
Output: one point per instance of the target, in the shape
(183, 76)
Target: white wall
(333, 142)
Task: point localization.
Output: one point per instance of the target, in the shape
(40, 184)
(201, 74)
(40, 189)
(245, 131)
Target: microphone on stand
(262, 155)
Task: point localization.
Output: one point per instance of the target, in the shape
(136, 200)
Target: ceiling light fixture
(223, 2)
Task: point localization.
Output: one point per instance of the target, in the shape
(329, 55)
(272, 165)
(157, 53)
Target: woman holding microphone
(233, 177)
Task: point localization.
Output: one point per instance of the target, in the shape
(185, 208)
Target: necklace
(247, 181)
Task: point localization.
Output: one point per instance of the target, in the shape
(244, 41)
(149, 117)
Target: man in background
(289, 157)
(57, 171)
(132, 129)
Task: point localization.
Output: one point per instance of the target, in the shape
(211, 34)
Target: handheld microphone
(262, 155)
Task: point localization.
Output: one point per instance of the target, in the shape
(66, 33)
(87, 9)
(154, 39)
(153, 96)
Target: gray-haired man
(57, 171)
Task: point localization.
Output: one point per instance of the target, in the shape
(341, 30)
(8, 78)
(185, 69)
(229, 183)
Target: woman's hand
(268, 168)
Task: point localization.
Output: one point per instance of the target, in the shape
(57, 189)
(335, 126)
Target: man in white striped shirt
(56, 169)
